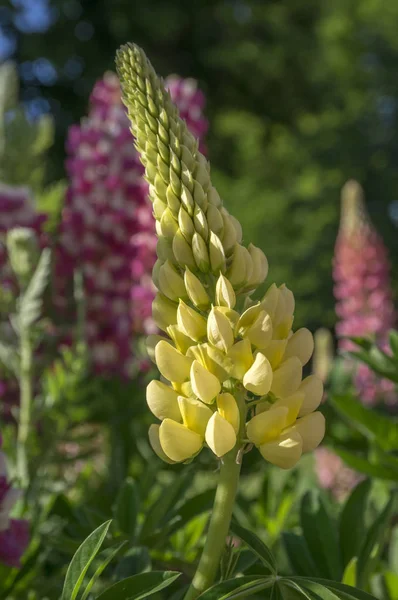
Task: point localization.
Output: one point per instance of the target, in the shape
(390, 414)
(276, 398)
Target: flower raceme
(231, 368)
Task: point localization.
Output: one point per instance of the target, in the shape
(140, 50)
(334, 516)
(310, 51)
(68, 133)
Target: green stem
(221, 516)
(25, 406)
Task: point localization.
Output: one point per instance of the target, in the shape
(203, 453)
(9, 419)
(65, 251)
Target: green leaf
(393, 339)
(391, 582)
(322, 586)
(81, 561)
(101, 568)
(31, 303)
(377, 427)
(393, 550)
(363, 465)
(136, 560)
(241, 588)
(9, 358)
(256, 545)
(351, 526)
(127, 508)
(140, 586)
(379, 362)
(350, 572)
(320, 534)
(373, 543)
(299, 557)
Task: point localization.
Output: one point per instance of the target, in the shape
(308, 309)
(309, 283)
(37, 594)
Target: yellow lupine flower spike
(232, 367)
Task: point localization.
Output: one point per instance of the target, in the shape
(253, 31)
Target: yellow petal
(171, 284)
(220, 435)
(162, 401)
(219, 331)
(205, 385)
(275, 352)
(301, 344)
(293, 404)
(181, 341)
(238, 269)
(270, 300)
(173, 365)
(260, 265)
(258, 378)
(260, 333)
(212, 359)
(242, 358)
(154, 440)
(151, 342)
(178, 442)
(248, 317)
(287, 378)
(216, 254)
(312, 430)
(225, 295)
(285, 452)
(195, 414)
(196, 291)
(267, 425)
(191, 322)
(228, 408)
(164, 311)
(312, 388)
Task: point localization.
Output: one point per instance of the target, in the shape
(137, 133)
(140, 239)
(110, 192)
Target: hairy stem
(220, 518)
(25, 406)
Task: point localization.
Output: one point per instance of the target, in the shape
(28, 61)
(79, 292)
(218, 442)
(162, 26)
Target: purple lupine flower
(107, 226)
(364, 304)
(14, 533)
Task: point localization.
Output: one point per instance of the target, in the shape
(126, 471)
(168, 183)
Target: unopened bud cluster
(231, 368)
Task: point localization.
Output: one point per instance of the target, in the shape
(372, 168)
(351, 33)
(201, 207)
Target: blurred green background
(301, 95)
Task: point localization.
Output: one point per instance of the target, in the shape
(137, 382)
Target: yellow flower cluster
(231, 367)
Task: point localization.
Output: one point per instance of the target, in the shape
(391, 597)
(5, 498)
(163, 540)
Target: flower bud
(205, 385)
(228, 408)
(23, 252)
(258, 378)
(162, 401)
(260, 266)
(242, 358)
(155, 272)
(225, 295)
(195, 414)
(164, 312)
(150, 344)
(186, 224)
(301, 344)
(200, 253)
(168, 225)
(215, 220)
(182, 252)
(200, 222)
(239, 266)
(181, 341)
(154, 440)
(267, 425)
(220, 435)
(270, 300)
(312, 388)
(164, 249)
(216, 254)
(191, 322)
(173, 201)
(171, 284)
(229, 237)
(173, 365)
(178, 442)
(219, 331)
(284, 452)
(248, 318)
(196, 291)
(187, 200)
(238, 228)
(287, 378)
(158, 208)
(260, 333)
(214, 197)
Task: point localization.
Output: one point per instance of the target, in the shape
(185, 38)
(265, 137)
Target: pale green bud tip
(23, 251)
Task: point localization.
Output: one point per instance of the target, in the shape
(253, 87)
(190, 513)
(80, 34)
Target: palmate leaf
(241, 588)
(256, 545)
(82, 560)
(140, 586)
(101, 568)
(31, 303)
(352, 518)
(322, 589)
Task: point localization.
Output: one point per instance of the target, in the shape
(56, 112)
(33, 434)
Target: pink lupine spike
(364, 304)
(107, 225)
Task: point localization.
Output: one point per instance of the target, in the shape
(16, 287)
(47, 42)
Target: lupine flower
(362, 289)
(107, 210)
(14, 533)
(333, 474)
(220, 349)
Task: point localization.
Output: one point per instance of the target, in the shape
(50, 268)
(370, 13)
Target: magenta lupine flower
(333, 474)
(14, 533)
(107, 225)
(364, 304)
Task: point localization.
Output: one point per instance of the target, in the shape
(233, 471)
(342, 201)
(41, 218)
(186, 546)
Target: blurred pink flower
(333, 474)
(14, 533)
(364, 304)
